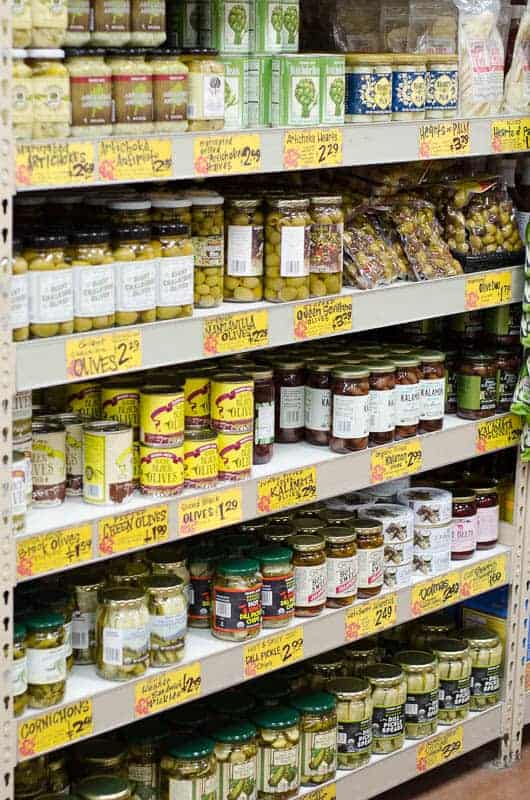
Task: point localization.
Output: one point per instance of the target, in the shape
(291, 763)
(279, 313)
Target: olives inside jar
(454, 669)
(350, 409)
(464, 526)
(93, 279)
(243, 281)
(135, 274)
(381, 401)
(476, 386)
(287, 250)
(19, 300)
(174, 280)
(421, 708)
(370, 556)
(264, 396)
(326, 257)
(310, 573)
(207, 228)
(51, 296)
(354, 716)
(318, 736)
(290, 400)
(236, 600)
(341, 561)
(317, 415)
(432, 390)
(407, 395)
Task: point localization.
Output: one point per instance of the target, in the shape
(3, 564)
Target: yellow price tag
(134, 159)
(310, 148)
(228, 154)
(483, 577)
(167, 689)
(91, 356)
(51, 552)
(235, 332)
(371, 617)
(498, 433)
(273, 652)
(510, 135)
(492, 289)
(289, 489)
(444, 590)
(328, 792)
(55, 729)
(55, 164)
(444, 139)
(207, 512)
(442, 748)
(323, 318)
(131, 531)
(396, 461)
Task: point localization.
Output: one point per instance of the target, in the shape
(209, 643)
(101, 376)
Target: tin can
(84, 399)
(232, 402)
(234, 455)
(161, 470)
(48, 463)
(120, 401)
(200, 458)
(74, 452)
(397, 575)
(108, 463)
(431, 562)
(197, 399)
(22, 411)
(162, 415)
(18, 491)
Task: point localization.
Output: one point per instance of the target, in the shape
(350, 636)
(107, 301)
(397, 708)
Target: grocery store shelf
(222, 664)
(527, 707)
(43, 362)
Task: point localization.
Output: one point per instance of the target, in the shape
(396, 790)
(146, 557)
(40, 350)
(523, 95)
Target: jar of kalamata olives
(432, 390)
(350, 409)
(290, 400)
(382, 416)
(407, 395)
(318, 403)
(264, 394)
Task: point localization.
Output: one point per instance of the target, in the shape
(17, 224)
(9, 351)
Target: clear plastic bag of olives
(370, 258)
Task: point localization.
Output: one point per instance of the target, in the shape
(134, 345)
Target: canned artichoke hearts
(234, 456)
(84, 399)
(121, 402)
(48, 464)
(161, 470)
(232, 402)
(162, 416)
(108, 463)
(197, 401)
(200, 458)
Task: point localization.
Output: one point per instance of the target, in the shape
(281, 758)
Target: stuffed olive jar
(318, 736)
(189, 769)
(389, 695)
(326, 257)
(421, 708)
(486, 666)
(454, 670)
(207, 228)
(174, 283)
(243, 280)
(287, 250)
(122, 634)
(236, 751)
(278, 753)
(354, 717)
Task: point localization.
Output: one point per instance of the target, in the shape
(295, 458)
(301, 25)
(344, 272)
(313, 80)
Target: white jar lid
(130, 205)
(45, 54)
(170, 202)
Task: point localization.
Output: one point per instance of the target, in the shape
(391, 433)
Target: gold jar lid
(366, 526)
(338, 535)
(463, 494)
(307, 542)
(380, 366)
(307, 524)
(123, 595)
(350, 373)
(483, 485)
(431, 356)
(479, 635)
(349, 688)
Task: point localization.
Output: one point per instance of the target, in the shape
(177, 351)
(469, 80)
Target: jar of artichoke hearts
(310, 573)
(341, 561)
(486, 666)
(122, 634)
(318, 736)
(278, 757)
(147, 740)
(370, 556)
(389, 695)
(86, 587)
(19, 671)
(327, 229)
(236, 751)
(243, 281)
(168, 612)
(104, 787)
(454, 669)
(206, 90)
(354, 717)
(287, 250)
(236, 600)
(189, 769)
(277, 591)
(421, 708)
(46, 659)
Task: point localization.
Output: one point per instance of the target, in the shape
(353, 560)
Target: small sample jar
(122, 634)
(464, 527)
(317, 414)
(236, 751)
(132, 92)
(278, 753)
(206, 82)
(231, 402)
(476, 386)
(135, 274)
(290, 400)
(90, 91)
(148, 23)
(170, 89)
(287, 250)
(487, 500)
(370, 556)
(93, 279)
(389, 695)
(22, 95)
(168, 607)
(104, 787)
(318, 733)
(350, 424)
(85, 589)
(327, 228)
(432, 390)
(19, 670)
(174, 281)
(278, 588)
(200, 458)
(46, 659)
(111, 23)
(310, 573)
(264, 396)
(421, 706)
(50, 91)
(243, 280)
(202, 564)
(236, 600)
(508, 363)
(48, 464)
(407, 395)
(441, 94)
(382, 383)
(454, 669)
(207, 228)
(147, 741)
(408, 87)
(342, 567)
(368, 87)
(354, 716)
(486, 666)
(51, 295)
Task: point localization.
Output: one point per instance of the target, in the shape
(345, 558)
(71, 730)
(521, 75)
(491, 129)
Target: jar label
(488, 524)
(381, 411)
(454, 694)
(398, 552)
(441, 90)
(408, 90)
(18, 492)
(170, 93)
(167, 631)
(175, 281)
(236, 610)
(112, 16)
(145, 777)
(162, 418)
(196, 402)
(51, 297)
(49, 15)
(148, 16)
(206, 95)
(342, 577)
(51, 99)
(506, 383)
(295, 249)
(292, 404)
(22, 99)
(235, 455)
(238, 780)
(244, 256)
(19, 676)
(407, 403)
(277, 597)
(136, 285)
(194, 789)
(200, 462)
(78, 17)
(264, 423)
(476, 393)
(464, 534)
(388, 721)
(522, 218)
(421, 707)
(350, 416)
(398, 575)
(370, 567)
(19, 301)
(133, 98)
(368, 92)
(432, 398)
(125, 646)
(91, 100)
(232, 405)
(278, 770)
(326, 248)
(317, 409)
(48, 462)
(83, 630)
(200, 598)
(93, 290)
(354, 737)
(435, 538)
(485, 680)
(208, 251)
(67, 639)
(46, 666)
(318, 753)
(310, 586)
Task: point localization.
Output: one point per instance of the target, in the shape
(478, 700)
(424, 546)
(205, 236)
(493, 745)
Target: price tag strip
(498, 433)
(434, 594)
(441, 748)
(396, 461)
(510, 135)
(322, 318)
(228, 154)
(483, 577)
(132, 531)
(273, 652)
(167, 689)
(51, 552)
(54, 164)
(134, 159)
(235, 332)
(492, 289)
(444, 139)
(209, 511)
(55, 729)
(371, 616)
(94, 356)
(310, 148)
(289, 489)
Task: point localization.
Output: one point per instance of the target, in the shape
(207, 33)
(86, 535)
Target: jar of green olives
(93, 279)
(454, 669)
(354, 717)
(421, 708)
(318, 736)
(236, 751)
(287, 250)
(278, 757)
(243, 280)
(171, 208)
(486, 666)
(19, 294)
(168, 611)
(189, 769)
(122, 634)
(327, 230)
(51, 295)
(86, 586)
(19, 671)
(135, 273)
(46, 659)
(207, 228)
(174, 278)
(389, 695)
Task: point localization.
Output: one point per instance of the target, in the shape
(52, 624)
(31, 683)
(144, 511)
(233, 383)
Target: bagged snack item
(517, 83)
(432, 27)
(394, 25)
(370, 259)
(353, 27)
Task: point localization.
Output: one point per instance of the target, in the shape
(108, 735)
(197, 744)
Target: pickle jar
(147, 741)
(50, 88)
(341, 562)
(278, 753)
(317, 414)
(326, 667)
(168, 612)
(62, 603)
(93, 279)
(290, 400)
(389, 695)
(425, 633)
(170, 560)
(454, 669)
(236, 751)
(382, 382)
(487, 500)
(327, 228)
(432, 390)
(46, 659)
(486, 666)
(58, 778)
(350, 425)
(360, 655)
(318, 736)
(476, 386)
(407, 395)
(19, 300)
(232, 705)
(287, 251)
(122, 634)
(421, 708)
(464, 525)
(277, 591)
(104, 787)
(236, 600)
(128, 572)
(175, 270)
(264, 395)
(370, 556)
(272, 690)
(354, 718)
(310, 573)
(135, 274)
(243, 280)
(99, 756)
(51, 307)
(19, 671)
(189, 769)
(206, 82)
(86, 586)
(202, 563)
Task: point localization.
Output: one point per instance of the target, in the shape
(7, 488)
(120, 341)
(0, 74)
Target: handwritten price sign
(498, 433)
(312, 148)
(229, 154)
(440, 749)
(131, 531)
(290, 489)
(371, 617)
(134, 159)
(492, 289)
(209, 511)
(53, 551)
(429, 596)
(91, 356)
(396, 461)
(168, 689)
(444, 139)
(55, 729)
(483, 577)
(273, 652)
(510, 135)
(322, 318)
(55, 164)
(235, 332)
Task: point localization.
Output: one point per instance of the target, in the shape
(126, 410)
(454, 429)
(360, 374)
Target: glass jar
(277, 533)
(350, 409)
(232, 705)
(502, 324)
(290, 400)
(21, 24)
(307, 525)
(46, 659)
(389, 695)
(148, 23)
(19, 300)
(133, 107)
(407, 395)
(90, 91)
(135, 274)
(327, 227)
(486, 666)
(354, 716)
(408, 87)
(264, 395)
(202, 564)
(174, 279)
(200, 458)
(236, 751)
(50, 286)
(317, 414)
(341, 562)
(168, 607)
(104, 787)
(454, 669)
(278, 588)
(22, 94)
(99, 756)
(324, 668)
(424, 634)
(464, 527)
(487, 500)
(206, 81)
(129, 211)
(370, 556)
(508, 363)
(310, 573)
(122, 634)
(278, 753)
(451, 357)
(171, 208)
(49, 23)
(58, 778)
(126, 572)
(189, 769)
(318, 735)
(360, 655)
(170, 92)
(93, 279)
(61, 603)
(30, 777)
(287, 251)
(86, 587)
(207, 227)
(78, 24)
(243, 281)
(382, 383)
(432, 390)
(111, 23)
(272, 691)
(476, 386)
(147, 741)
(421, 708)
(19, 671)
(337, 517)
(170, 560)
(236, 600)
(50, 90)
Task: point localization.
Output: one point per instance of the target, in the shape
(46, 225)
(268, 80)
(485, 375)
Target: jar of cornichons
(486, 666)
(287, 250)
(432, 390)
(168, 607)
(318, 734)
(429, 504)
(441, 95)
(341, 561)
(51, 308)
(389, 695)
(350, 409)
(326, 667)
(206, 90)
(46, 659)
(170, 560)
(278, 753)
(207, 228)
(310, 573)
(381, 400)
(100, 755)
(476, 386)
(147, 741)
(231, 402)
(354, 716)
(454, 669)
(202, 562)
(236, 600)
(264, 396)
(135, 274)
(327, 227)
(58, 778)
(451, 358)
(132, 107)
(290, 400)
(408, 87)
(104, 787)
(174, 284)
(86, 587)
(370, 556)
(317, 414)
(487, 499)
(243, 281)
(421, 707)
(278, 588)
(464, 528)
(407, 395)
(508, 363)
(19, 670)
(19, 294)
(122, 634)
(93, 279)
(50, 90)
